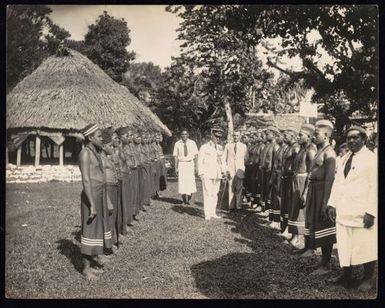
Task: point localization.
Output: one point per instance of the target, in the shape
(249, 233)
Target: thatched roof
(69, 92)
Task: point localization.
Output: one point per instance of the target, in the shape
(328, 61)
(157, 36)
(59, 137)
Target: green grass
(172, 253)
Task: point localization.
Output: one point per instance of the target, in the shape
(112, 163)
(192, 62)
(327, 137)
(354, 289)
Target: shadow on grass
(170, 200)
(198, 203)
(72, 252)
(188, 210)
(76, 235)
(234, 275)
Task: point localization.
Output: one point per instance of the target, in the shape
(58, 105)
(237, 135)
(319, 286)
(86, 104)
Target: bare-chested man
(320, 230)
(271, 148)
(260, 178)
(275, 180)
(301, 170)
(290, 137)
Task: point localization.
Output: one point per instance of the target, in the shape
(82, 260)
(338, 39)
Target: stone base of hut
(42, 174)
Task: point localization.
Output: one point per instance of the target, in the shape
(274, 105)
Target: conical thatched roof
(69, 92)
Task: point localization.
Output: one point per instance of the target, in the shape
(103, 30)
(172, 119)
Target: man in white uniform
(210, 172)
(353, 205)
(233, 161)
(185, 153)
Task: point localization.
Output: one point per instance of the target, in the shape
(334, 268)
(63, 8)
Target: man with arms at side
(112, 184)
(353, 205)
(320, 231)
(95, 234)
(210, 172)
(270, 150)
(286, 194)
(185, 154)
(275, 183)
(233, 161)
(301, 168)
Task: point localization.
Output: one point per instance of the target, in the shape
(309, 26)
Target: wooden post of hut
(18, 157)
(51, 146)
(6, 156)
(37, 150)
(61, 154)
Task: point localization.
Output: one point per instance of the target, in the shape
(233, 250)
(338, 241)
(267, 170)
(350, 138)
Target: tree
(347, 35)
(144, 81)
(222, 58)
(31, 37)
(106, 45)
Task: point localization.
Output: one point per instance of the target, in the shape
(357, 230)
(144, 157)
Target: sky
(153, 30)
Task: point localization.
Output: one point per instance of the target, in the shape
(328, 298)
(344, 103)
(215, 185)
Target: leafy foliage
(220, 42)
(217, 65)
(144, 81)
(105, 44)
(346, 35)
(31, 37)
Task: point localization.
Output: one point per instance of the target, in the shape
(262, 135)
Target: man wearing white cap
(185, 153)
(353, 205)
(320, 231)
(210, 172)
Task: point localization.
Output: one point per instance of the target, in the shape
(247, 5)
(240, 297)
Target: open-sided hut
(66, 92)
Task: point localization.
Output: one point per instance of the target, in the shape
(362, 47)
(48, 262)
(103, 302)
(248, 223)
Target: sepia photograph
(191, 151)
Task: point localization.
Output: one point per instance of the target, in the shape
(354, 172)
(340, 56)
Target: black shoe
(343, 279)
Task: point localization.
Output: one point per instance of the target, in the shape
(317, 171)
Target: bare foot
(89, 275)
(96, 270)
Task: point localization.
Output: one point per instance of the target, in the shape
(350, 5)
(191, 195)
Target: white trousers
(356, 245)
(210, 189)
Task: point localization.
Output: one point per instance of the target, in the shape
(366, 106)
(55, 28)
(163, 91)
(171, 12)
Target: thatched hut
(64, 94)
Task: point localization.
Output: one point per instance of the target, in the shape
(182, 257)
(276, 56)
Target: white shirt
(192, 150)
(209, 161)
(356, 194)
(235, 162)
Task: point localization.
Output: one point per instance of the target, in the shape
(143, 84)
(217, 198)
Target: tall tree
(106, 45)
(345, 35)
(222, 56)
(31, 37)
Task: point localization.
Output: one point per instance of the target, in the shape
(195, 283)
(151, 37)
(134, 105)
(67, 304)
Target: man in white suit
(353, 205)
(210, 172)
(233, 161)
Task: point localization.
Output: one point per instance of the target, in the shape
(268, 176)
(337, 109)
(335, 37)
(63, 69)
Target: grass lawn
(172, 253)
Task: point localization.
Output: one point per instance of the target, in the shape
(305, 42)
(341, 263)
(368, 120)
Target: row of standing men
(288, 176)
(122, 171)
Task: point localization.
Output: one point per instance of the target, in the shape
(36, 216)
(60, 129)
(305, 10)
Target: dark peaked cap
(359, 128)
(217, 131)
(122, 130)
(107, 135)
